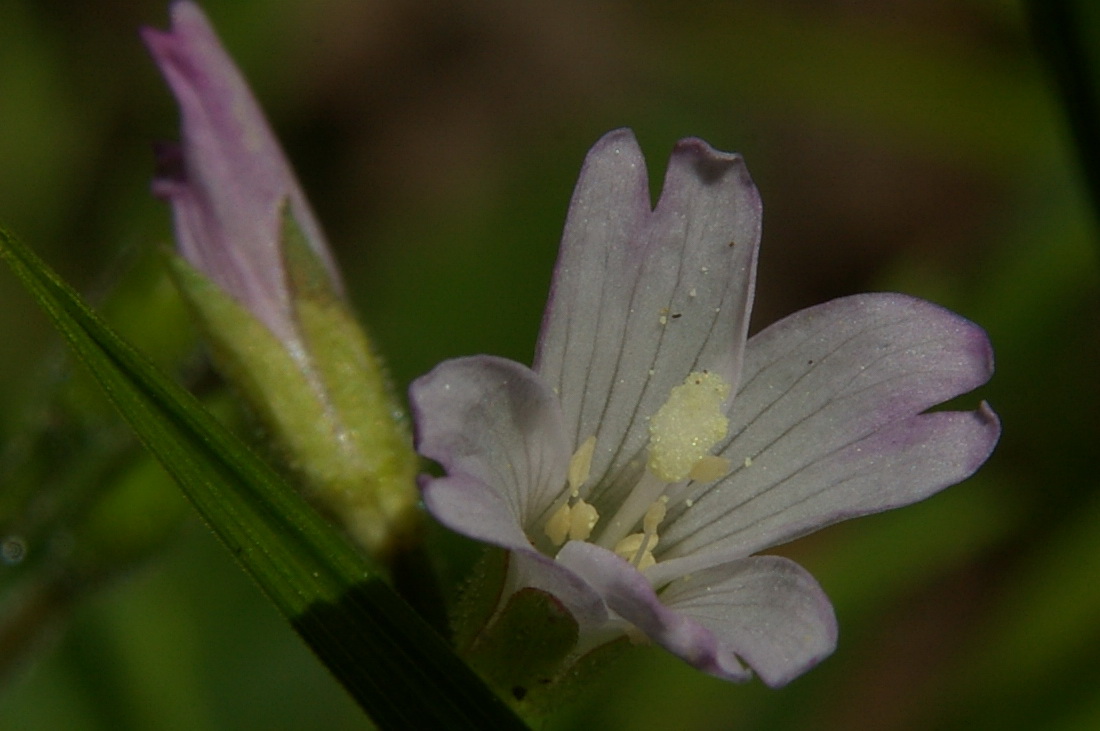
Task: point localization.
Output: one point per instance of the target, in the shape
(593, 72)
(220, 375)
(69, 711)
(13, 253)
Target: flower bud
(256, 270)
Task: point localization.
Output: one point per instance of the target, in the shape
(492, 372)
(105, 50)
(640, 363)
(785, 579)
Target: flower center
(681, 435)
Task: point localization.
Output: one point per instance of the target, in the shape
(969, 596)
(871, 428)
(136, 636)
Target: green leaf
(398, 669)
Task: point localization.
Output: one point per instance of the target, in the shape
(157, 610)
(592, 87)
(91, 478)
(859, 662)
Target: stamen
(652, 519)
(580, 465)
(573, 522)
(582, 520)
(583, 516)
(557, 527)
(631, 510)
(627, 547)
(710, 468)
(655, 515)
(637, 548)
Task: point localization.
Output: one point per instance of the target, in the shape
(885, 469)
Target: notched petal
(228, 179)
(643, 297)
(496, 429)
(596, 271)
(829, 426)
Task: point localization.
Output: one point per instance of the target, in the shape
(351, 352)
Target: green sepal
(525, 648)
(373, 490)
(579, 677)
(324, 400)
(307, 276)
(480, 597)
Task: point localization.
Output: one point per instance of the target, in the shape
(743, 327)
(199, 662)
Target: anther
(709, 468)
(557, 527)
(580, 464)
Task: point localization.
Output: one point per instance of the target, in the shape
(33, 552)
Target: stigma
(687, 427)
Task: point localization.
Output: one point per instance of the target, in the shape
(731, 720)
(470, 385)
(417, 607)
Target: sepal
(322, 398)
(522, 652)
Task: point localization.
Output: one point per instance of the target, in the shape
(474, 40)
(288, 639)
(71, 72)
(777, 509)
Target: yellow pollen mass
(571, 522)
(575, 522)
(629, 548)
(557, 527)
(687, 426)
(580, 464)
(709, 468)
(582, 520)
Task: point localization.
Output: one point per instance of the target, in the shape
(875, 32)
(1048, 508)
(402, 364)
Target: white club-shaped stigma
(686, 428)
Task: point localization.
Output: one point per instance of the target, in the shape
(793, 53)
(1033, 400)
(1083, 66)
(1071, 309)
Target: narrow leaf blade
(401, 672)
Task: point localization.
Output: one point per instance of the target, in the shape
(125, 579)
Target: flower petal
(769, 610)
(228, 179)
(529, 568)
(827, 426)
(643, 297)
(766, 610)
(496, 429)
(629, 594)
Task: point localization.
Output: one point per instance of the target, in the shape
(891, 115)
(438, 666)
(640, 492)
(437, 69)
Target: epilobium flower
(652, 451)
(257, 271)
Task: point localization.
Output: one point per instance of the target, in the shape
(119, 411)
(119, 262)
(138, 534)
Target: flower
(652, 451)
(259, 277)
(228, 181)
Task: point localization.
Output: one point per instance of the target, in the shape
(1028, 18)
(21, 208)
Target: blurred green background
(910, 145)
